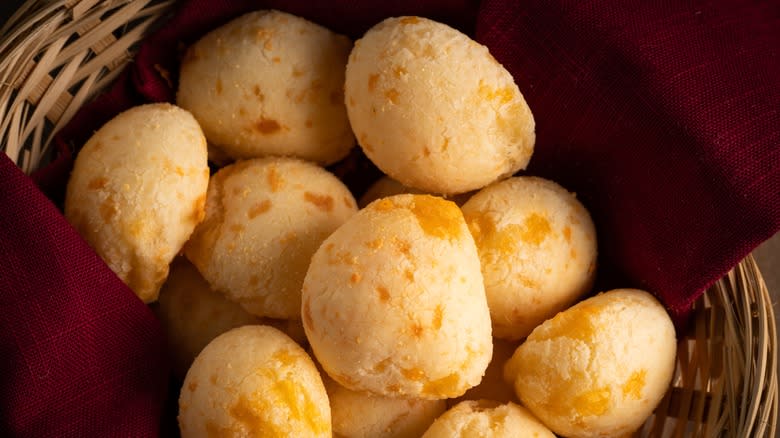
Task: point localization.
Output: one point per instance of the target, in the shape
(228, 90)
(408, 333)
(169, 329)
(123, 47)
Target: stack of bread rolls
(448, 302)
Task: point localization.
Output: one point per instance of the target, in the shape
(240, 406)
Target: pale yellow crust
(363, 415)
(537, 246)
(253, 381)
(138, 190)
(433, 109)
(393, 302)
(599, 368)
(264, 219)
(487, 418)
(270, 83)
(192, 314)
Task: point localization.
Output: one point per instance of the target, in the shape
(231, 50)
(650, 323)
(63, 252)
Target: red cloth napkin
(663, 117)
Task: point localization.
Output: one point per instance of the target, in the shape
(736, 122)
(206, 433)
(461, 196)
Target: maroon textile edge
(641, 111)
(80, 354)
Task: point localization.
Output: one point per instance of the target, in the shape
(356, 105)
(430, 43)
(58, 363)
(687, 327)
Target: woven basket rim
(57, 55)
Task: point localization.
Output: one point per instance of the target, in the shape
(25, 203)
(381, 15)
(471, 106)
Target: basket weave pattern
(57, 55)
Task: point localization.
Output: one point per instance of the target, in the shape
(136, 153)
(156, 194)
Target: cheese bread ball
(537, 246)
(386, 186)
(393, 302)
(433, 109)
(487, 418)
(253, 381)
(264, 219)
(270, 83)
(599, 368)
(363, 415)
(493, 386)
(137, 191)
(192, 314)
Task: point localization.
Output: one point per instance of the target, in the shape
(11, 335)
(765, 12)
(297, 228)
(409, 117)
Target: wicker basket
(57, 55)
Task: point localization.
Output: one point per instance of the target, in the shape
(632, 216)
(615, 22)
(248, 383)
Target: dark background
(7, 7)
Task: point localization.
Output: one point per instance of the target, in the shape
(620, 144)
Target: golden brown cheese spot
(426, 152)
(193, 385)
(403, 246)
(375, 244)
(438, 315)
(442, 387)
(385, 204)
(437, 217)
(289, 237)
(384, 294)
(322, 202)
(97, 183)
(593, 402)
(308, 123)
(573, 253)
(536, 229)
(567, 233)
(409, 275)
(507, 123)
(108, 209)
(527, 282)
(198, 209)
(267, 126)
(251, 415)
(214, 431)
(273, 179)
(481, 227)
(393, 388)
(296, 73)
(258, 93)
(399, 71)
(445, 144)
(392, 95)
(218, 86)
(415, 374)
(410, 20)
(577, 322)
(259, 208)
(276, 60)
(416, 329)
(429, 51)
(354, 278)
(254, 281)
(502, 95)
(372, 81)
(263, 34)
(237, 228)
(634, 385)
(381, 366)
(286, 357)
(303, 410)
